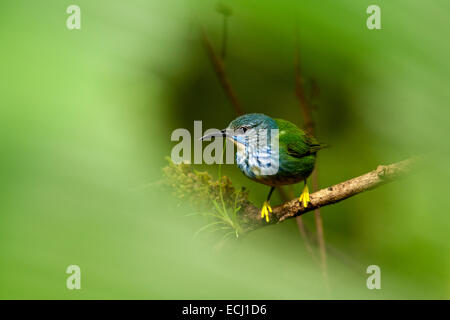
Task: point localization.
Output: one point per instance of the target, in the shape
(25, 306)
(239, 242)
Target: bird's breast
(265, 165)
(257, 163)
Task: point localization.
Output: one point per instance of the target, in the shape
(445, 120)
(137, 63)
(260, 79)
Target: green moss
(217, 199)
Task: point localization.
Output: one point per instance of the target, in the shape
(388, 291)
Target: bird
(274, 152)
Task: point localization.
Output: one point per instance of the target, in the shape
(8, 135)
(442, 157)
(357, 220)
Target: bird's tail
(319, 146)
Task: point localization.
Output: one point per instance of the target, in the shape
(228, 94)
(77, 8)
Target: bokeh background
(85, 123)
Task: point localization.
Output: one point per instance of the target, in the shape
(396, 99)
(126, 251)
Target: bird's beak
(221, 133)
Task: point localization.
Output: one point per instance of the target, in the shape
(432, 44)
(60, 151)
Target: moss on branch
(234, 213)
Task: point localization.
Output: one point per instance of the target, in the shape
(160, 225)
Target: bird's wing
(302, 149)
(298, 143)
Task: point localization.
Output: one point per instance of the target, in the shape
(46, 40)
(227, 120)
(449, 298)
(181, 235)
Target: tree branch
(219, 68)
(293, 208)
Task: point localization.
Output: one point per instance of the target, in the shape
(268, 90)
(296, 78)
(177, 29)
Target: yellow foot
(265, 210)
(304, 197)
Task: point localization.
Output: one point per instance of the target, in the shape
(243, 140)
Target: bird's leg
(266, 206)
(304, 197)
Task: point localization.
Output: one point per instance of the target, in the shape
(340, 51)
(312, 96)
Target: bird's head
(256, 121)
(245, 127)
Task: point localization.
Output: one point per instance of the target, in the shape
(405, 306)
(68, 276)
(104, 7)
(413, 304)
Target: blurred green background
(85, 123)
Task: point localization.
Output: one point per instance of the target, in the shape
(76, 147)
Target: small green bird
(273, 152)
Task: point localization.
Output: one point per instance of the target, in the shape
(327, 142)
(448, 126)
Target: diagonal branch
(219, 68)
(381, 175)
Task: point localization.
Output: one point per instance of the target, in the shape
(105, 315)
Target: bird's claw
(265, 210)
(304, 197)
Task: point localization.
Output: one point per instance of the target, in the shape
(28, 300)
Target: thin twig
(226, 12)
(219, 68)
(301, 226)
(309, 127)
(223, 52)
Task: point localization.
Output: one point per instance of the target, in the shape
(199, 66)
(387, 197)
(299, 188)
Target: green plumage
(297, 152)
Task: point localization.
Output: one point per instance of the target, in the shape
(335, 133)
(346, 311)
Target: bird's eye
(243, 129)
